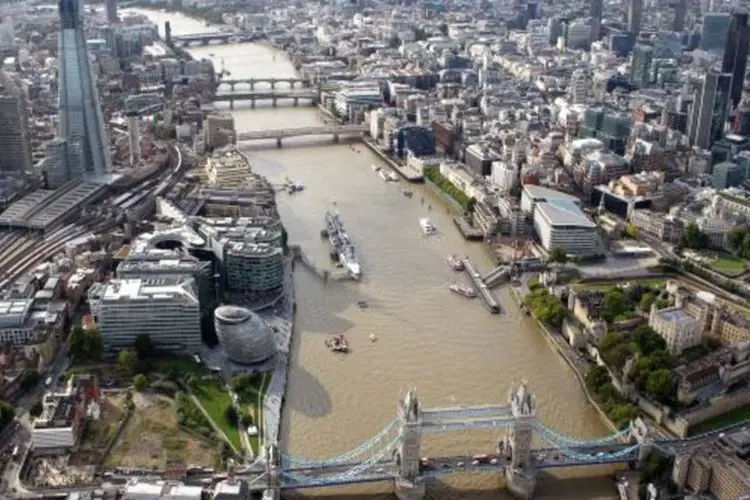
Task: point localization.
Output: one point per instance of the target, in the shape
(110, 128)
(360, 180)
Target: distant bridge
(265, 95)
(292, 81)
(395, 453)
(333, 130)
(204, 38)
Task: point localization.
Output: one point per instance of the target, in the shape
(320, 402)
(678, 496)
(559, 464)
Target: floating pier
(468, 231)
(497, 276)
(481, 287)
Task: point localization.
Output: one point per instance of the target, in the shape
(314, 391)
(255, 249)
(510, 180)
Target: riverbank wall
(405, 171)
(555, 344)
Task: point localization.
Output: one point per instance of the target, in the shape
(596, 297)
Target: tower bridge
(394, 454)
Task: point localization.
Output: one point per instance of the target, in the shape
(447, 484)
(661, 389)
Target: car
(380, 470)
(475, 462)
(493, 461)
(460, 464)
(446, 466)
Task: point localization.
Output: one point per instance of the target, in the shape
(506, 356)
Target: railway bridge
(524, 446)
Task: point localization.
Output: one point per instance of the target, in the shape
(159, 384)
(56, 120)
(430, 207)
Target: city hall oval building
(245, 336)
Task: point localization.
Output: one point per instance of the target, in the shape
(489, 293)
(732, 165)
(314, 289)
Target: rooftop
(150, 289)
(562, 212)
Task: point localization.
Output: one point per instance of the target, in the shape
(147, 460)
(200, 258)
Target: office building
(735, 54)
(504, 176)
(7, 38)
(54, 165)
(595, 12)
(635, 15)
(578, 88)
(249, 254)
(245, 336)
(112, 17)
(134, 139)
(680, 9)
(640, 69)
(63, 413)
(726, 174)
(167, 310)
(560, 223)
(15, 145)
(715, 31)
(678, 329)
(81, 123)
(227, 168)
(710, 109)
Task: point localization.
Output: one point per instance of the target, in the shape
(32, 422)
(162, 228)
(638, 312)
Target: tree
(143, 345)
(631, 231)
(609, 341)
(736, 239)
(140, 382)
(557, 254)
(694, 238)
(247, 420)
(596, 377)
(30, 380)
(659, 384)
(617, 356)
(36, 409)
(128, 359)
(614, 304)
(516, 190)
(647, 341)
(646, 300)
(230, 415)
(85, 345)
(7, 413)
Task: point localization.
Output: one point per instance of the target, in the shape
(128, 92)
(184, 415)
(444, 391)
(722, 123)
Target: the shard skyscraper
(80, 114)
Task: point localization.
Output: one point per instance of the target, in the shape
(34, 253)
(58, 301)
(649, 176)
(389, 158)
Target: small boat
(375, 168)
(455, 263)
(391, 177)
(383, 175)
(362, 304)
(462, 289)
(428, 228)
(373, 338)
(408, 193)
(338, 344)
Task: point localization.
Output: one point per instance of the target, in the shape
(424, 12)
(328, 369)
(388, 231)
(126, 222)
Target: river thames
(450, 349)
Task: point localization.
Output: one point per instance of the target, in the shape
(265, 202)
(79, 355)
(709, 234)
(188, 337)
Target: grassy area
(179, 364)
(728, 264)
(215, 399)
(152, 436)
(254, 400)
(723, 420)
(606, 285)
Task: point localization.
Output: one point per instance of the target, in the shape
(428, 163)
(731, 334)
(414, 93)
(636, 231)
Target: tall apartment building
(15, 145)
(167, 310)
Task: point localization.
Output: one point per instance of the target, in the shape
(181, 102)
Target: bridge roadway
(334, 130)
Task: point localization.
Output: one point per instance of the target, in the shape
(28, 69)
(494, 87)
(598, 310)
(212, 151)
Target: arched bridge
(524, 446)
(331, 130)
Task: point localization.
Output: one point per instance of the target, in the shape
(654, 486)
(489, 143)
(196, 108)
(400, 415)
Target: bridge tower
(273, 474)
(640, 433)
(520, 474)
(410, 483)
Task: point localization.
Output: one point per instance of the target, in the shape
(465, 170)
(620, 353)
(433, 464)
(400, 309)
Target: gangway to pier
(497, 276)
(324, 274)
(481, 287)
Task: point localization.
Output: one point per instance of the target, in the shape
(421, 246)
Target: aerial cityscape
(374, 249)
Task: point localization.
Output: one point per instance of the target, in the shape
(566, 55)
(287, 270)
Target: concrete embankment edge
(581, 377)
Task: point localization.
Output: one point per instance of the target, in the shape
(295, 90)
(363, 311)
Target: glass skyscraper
(81, 122)
(735, 54)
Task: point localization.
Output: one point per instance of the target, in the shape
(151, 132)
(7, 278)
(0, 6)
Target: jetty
(481, 287)
(325, 274)
(468, 231)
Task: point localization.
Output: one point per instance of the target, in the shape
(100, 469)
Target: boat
(455, 263)
(338, 343)
(375, 168)
(391, 177)
(408, 193)
(373, 338)
(428, 228)
(342, 249)
(462, 289)
(348, 258)
(383, 175)
(362, 304)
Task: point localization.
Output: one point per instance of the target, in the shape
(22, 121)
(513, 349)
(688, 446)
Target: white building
(678, 329)
(227, 168)
(504, 175)
(166, 309)
(579, 86)
(562, 224)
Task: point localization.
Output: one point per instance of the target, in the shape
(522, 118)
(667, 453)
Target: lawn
(606, 285)
(726, 419)
(252, 398)
(179, 364)
(152, 436)
(214, 397)
(728, 264)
